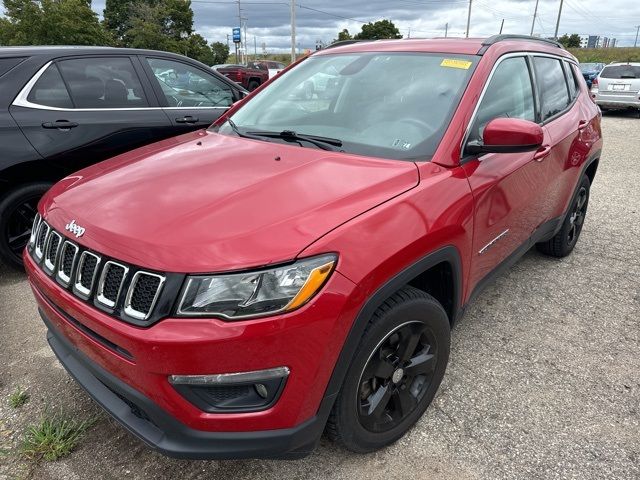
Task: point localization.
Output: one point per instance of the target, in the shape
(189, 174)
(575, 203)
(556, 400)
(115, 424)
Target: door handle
(187, 119)
(582, 124)
(60, 124)
(542, 153)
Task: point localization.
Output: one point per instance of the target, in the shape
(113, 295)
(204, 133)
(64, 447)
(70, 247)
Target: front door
(508, 189)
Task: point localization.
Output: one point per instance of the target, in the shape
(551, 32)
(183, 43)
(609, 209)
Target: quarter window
(552, 86)
(572, 82)
(509, 94)
(50, 90)
(103, 82)
(186, 86)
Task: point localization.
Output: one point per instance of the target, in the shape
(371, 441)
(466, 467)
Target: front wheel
(17, 211)
(563, 242)
(395, 373)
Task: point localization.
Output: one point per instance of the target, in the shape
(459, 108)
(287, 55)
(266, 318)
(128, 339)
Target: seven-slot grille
(90, 276)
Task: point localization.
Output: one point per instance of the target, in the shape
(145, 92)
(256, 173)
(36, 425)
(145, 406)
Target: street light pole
(293, 31)
(535, 14)
(555, 35)
(637, 31)
(469, 19)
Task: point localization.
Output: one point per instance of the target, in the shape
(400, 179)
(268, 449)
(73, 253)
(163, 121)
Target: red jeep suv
(297, 267)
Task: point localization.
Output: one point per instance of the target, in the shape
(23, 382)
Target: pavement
(543, 380)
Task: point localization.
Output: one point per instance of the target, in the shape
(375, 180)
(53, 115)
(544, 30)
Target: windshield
(387, 105)
(621, 71)
(588, 67)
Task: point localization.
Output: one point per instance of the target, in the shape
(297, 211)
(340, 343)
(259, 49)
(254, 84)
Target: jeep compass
(297, 268)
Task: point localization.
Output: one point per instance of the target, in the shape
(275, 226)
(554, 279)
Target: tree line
(153, 24)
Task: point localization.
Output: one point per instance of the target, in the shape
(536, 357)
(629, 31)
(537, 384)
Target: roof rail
(500, 38)
(341, 43)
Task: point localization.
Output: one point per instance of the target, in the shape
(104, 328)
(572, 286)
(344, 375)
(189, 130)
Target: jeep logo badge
(74, 228)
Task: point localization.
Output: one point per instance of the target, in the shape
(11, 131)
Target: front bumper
(155, 427)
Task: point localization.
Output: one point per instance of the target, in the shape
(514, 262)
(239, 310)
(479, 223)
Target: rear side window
(50, 90)
(619, 72)
(572, 82)
(103, 82)
(552, 86)
(509, 94)
(7, 64)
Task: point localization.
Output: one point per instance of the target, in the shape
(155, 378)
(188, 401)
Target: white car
(617, 86)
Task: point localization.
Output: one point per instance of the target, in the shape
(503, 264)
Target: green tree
(220, 53)
(378, 30)
(196, 47)
(343, 35)
(117, 17)
(570, 41)
(52, 22)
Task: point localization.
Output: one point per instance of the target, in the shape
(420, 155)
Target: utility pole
(501, 25)
(469, 19)
(555, 35)
(227, 40)
(535, 14)
(446, 29)
(637, 31)
(293, 31)
(239, 26)
(409, 36)
(255, 48)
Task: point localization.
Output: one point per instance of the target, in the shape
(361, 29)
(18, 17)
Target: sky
(269, 20)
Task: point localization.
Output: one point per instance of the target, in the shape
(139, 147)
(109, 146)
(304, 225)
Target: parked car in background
(297, 268)
(273, 67)
(618, 86)
(590, 71)
(250, 76)
(63, 108)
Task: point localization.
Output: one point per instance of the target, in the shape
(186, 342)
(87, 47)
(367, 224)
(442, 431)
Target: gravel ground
(543, 381)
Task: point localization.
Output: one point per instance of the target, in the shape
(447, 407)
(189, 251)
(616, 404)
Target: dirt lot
(543, 382)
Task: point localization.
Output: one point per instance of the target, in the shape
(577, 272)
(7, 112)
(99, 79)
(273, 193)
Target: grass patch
(54, 437)
(18, 398)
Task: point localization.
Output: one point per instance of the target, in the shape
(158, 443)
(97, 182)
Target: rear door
(191, 97)
(86, 109)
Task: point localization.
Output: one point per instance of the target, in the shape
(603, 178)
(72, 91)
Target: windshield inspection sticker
(453, 63)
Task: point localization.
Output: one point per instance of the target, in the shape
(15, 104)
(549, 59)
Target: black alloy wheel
(396, 377)
(577, 216)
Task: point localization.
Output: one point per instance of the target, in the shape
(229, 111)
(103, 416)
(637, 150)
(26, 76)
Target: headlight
(251, 294)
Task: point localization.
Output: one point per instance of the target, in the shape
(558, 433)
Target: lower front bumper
(161, 431)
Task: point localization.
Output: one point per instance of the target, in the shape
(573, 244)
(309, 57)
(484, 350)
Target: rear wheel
(563, 242)
(395, 373)
(253, 84)
(17, 211)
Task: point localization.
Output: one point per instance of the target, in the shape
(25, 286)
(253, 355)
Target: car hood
(205, 202)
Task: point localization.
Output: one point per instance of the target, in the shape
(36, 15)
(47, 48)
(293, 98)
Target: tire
(565, 240)
(376, 374)
(253, 84)
(17, 210)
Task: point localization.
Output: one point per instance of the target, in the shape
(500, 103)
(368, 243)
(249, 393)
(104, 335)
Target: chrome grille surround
(61, 275)
(41, 240)
(51, 250)
(34, 230)
(128, 307)
(106, 270)
(78, 287)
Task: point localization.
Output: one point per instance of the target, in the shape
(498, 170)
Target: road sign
(237, 36)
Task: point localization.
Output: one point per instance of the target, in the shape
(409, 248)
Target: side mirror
(508, 135)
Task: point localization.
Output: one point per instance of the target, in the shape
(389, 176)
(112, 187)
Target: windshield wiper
(237, 131)
(325, 143)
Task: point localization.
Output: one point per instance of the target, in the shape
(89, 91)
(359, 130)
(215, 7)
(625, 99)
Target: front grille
(122, 290)
(111, 283)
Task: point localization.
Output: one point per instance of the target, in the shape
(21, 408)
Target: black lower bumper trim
(161, 431)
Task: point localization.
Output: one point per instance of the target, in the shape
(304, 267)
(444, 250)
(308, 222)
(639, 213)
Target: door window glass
(552, 86)
(186, 86)
(509, 94)
(50, 90)
(103, 82)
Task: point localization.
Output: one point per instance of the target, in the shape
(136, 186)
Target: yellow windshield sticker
(452, 63)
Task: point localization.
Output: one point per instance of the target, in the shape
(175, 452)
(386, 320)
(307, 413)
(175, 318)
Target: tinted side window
(552, 86)
(103, 82)
(186, 86)
(7, 64)
(50, 90)
(509, 94)
(571, 80)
